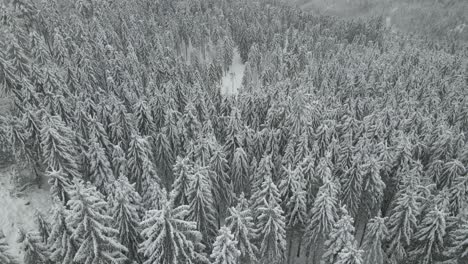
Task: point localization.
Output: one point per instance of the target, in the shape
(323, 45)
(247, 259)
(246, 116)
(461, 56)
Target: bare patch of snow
(232, 80)
(17, 209)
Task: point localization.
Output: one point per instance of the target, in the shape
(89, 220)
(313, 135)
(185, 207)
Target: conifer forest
(230, 132)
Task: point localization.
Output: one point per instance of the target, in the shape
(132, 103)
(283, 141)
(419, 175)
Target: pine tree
(144, 120)
(34, 250)
(401, 225)
(352, 187)
(221, 183)
(373, 188)
(140, 166)
(121, 128)
(377, 233)
(100, 169)
(57, 147)
(240, 222)
(239, 171)
(59, 184)
(271, 232)
(119, 162)
(170, 238)
(264, 187)
(429, 237)
(125, 204)
(458, 249)
(225, 248)
(267, 192)
(290, 182)
(164, 158)
(42, 226)
(62, 246)
(350, 255)
(201, 209)
(5, 256)
(153, 196)
(92, 227)
(183, 171)
(324, 214)
(296, 212)
(341, 237)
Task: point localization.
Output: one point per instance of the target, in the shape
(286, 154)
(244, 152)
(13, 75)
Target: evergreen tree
(143, 117)
(458, 249)
(140, 166)
(240, 222)
(119, 162)
(62, 246)
(170, 238)
(350, 255)
(5, 256)
(267, 192)
(352, 187)
(125, 204)
(239, 171)
(201, 205)
(34, 250)
(341, 237)
(290, 182)
(92, 227)
(42, 226)
(221, 183)
(164, 158)
(429, 237)
(57, 147)
(271, 232)
(224, 248)
(324, 214)
(183, 171)
(100, 169)
(59, 184)
(376, 234)
(373, 188)
(401, 225)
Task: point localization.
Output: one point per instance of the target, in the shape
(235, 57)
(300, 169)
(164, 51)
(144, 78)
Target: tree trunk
(290, 246)
(299, 246)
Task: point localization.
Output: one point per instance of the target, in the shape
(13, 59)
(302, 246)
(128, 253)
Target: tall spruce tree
(201, 205)
(429, 237)
(340, 239)
(125, 206)
(376, 234)
(57, 147)
(225, 248)
(271, 232)
(91, 226)
(324, 215)
(61, 244)
(401, 225)
(34, 250)
(183, 171)
(170, 238)
(241, 224)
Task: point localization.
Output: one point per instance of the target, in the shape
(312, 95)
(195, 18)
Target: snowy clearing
(18, 211)
(232, 81)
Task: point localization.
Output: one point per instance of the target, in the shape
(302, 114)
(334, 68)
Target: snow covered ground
(232, 81)
(18, 210)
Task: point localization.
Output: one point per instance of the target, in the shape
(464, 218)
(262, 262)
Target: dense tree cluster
(346, 142)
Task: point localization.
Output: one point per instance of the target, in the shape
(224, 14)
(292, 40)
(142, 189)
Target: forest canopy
(346, 143)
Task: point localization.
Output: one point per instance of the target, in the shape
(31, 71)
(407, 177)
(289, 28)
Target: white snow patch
(232, 81)
(18, 211)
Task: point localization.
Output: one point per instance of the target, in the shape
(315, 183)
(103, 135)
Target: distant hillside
(434, 18)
